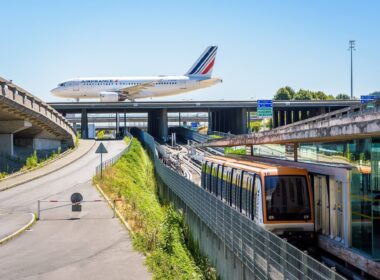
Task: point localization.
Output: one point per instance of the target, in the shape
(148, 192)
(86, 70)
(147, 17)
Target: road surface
(64, 244)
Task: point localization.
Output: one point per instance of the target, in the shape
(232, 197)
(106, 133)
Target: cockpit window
(61, 84)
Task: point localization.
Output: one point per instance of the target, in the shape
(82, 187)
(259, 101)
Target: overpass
(344, 124)
(224, 115)
(29, 123)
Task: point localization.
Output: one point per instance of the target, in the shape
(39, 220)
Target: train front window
(287, 198)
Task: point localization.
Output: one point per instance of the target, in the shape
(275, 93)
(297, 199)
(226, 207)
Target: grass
(236, 151)
(3, 175)
(159, 230)
(33, 161)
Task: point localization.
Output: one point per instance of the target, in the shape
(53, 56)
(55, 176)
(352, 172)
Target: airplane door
(76, 85)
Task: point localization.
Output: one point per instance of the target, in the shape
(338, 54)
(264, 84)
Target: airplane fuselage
(161, 86)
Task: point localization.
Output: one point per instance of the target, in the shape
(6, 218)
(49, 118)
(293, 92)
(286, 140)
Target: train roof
(255, 166)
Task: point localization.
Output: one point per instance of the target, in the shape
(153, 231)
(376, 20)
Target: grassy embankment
(160, 232)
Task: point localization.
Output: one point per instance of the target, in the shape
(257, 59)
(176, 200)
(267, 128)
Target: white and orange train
(278, 198)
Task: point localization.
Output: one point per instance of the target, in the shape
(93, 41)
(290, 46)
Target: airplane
(113, 89)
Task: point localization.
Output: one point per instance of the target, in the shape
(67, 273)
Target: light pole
(351, 47)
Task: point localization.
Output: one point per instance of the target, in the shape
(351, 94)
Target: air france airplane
(114, 89)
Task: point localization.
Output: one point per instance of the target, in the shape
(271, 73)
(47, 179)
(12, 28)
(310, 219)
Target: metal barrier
(261, 252)
(67, 203)
(113, 160)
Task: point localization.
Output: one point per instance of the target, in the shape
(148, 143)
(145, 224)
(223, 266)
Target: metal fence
(261, 252)
(113, 160)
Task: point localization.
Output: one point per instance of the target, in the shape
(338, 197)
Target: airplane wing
(130, 91)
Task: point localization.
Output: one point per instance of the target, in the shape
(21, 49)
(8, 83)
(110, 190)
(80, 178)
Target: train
(278, 198)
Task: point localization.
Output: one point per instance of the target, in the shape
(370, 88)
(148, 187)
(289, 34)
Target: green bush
(31, 161)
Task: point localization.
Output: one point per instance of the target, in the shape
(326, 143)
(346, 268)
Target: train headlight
(306, 217)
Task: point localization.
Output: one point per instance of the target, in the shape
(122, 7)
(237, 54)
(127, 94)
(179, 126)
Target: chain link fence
(261, 252)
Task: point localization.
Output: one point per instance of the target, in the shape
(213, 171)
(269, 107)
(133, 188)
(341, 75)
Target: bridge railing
(113, 160)
(19, 95)
(261, 252)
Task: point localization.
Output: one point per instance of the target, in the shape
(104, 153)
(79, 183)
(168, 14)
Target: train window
(280, 204)
(203, 175)
(209, 174)
(214, 179)
(236, 188)
(226, 183)
(247, 193)
(220, 181)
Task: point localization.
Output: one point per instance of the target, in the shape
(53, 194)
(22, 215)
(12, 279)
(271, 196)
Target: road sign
(264, 108)
(76, 199)
(101, 149)
(367, 98)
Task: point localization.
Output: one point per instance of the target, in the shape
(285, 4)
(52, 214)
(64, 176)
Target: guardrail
(261, 252)
(19, 95)
(113, 160)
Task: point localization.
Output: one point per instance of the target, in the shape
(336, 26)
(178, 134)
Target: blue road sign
(367, 98)
(264, 108)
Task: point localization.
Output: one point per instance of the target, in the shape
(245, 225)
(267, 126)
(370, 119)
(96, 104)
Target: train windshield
(287, 198)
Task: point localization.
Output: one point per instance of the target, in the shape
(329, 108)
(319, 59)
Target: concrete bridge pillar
(84, 124)
(281, 118)
(45, 141)
(7, 131)
(303, 114)
(296, 115)
(229, 120)
(158, 124)
(288, 117)
(275, 118)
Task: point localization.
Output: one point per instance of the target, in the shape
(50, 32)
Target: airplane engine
(111, 97)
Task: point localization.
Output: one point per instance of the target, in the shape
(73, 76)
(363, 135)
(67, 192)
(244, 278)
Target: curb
(21, 230)
(119, 216)
(47, 173)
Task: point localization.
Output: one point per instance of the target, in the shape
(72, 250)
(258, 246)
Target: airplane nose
(55, 91)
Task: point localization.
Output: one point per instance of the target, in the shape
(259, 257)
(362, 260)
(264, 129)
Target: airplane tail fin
(205, 63)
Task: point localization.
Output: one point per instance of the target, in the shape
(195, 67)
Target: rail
(113, 160)
(263, 253)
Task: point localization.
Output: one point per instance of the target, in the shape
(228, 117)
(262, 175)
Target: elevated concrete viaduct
(224, 116)
(27, 123)
(344, 124)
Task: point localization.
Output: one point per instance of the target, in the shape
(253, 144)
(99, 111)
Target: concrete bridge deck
(25, 120)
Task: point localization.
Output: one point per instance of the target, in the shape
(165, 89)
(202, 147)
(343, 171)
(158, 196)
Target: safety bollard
(38, 210)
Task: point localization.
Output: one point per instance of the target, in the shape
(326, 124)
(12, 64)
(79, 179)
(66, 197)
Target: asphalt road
(64, 244)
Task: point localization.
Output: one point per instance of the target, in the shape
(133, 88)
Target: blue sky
(263, 45)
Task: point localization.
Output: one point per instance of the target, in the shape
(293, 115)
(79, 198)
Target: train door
(321, 204)
(337, 210)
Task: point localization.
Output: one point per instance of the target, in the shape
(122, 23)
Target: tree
(303, 95)
(342, 96)
(282, 94)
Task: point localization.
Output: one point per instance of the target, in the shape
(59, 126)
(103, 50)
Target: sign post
(101, 150)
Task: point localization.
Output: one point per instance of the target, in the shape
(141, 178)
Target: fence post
(333, 270)
(38, 210)
(304, 264)
(267, 255)
(283, 257)
(114, 208)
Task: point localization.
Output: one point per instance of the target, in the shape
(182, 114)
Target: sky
(263, 45)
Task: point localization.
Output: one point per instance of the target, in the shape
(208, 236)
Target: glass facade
(363, 156)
